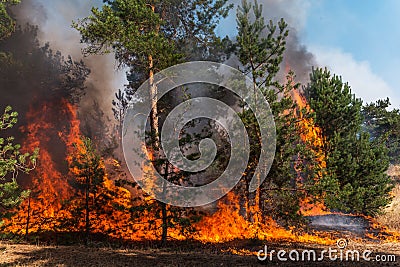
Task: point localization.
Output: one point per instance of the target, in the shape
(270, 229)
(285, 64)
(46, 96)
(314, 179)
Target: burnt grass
(175, 253)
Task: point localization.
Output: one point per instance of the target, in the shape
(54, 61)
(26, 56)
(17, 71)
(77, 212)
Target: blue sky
(369, 29)
(366, 30)
(356, 39)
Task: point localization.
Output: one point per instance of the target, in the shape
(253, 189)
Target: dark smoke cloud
(54, 19)
(297, 58)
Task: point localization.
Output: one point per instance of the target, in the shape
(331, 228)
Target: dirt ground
(181, 255)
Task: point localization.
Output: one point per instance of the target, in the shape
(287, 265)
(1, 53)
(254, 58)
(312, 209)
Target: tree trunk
(87, 219)
(153, 96)
(28, 217)
(247, 199)
(164, 209)
(257, 215)
(257, 200)
(154, 111)
(156, 141)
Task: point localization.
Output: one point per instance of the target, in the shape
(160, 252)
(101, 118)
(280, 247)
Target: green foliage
(337, 110)
(12, 161)
(7, 24)
(356, 179)
(136, 29)
(260, 53)
(360, 165)
(87, 166)
(130, 28)
(384, 124)
(152, 35)
(260, 49)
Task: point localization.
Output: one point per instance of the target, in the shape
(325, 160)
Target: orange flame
(46, 209)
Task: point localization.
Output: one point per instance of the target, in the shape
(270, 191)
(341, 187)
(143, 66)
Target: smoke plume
(54, 21)
(296, 56)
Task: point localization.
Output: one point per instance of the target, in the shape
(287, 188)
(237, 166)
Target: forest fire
(227, 224)
(55, 203)
(49, 187)
(55, 130)
(322, 218)
(312, 157)
(312, 136)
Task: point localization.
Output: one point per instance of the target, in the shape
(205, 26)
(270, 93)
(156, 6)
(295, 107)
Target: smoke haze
(296, 56)
(54, 19)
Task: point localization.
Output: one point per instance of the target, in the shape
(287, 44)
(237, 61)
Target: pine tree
(384, 124)
(356, 179)
(260, 49)
(360, 166)
(337, 110)
(88, 168)
(147, 36)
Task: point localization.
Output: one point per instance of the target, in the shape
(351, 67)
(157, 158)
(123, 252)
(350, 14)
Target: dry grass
(65, 256)
(391, 217)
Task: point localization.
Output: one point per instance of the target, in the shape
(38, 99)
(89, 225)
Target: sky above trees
(356, 39)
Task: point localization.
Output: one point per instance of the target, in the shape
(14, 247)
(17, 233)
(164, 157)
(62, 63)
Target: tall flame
(49, 187)
(312, 136)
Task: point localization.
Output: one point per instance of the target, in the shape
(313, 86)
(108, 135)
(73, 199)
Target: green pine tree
(89, 171)
(260, 48)
(337, 110)
(356, 179)
(384, 124)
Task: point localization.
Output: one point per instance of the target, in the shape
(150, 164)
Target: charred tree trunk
(164, 223)
(257, 208)
(164, 209)
(246, 198)
(28, 217)
(87, 218)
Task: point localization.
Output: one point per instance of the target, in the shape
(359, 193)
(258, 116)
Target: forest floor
(188, 254)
